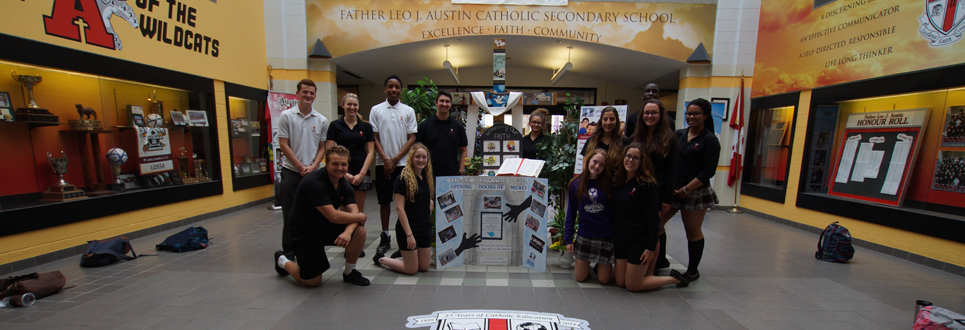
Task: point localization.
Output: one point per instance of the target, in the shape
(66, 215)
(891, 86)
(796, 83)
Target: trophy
(29, 82)
(61, 191)
(116, 157)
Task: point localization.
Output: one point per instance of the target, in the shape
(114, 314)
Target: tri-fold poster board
(877, 155)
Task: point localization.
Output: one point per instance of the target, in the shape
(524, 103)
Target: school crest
(942, 21)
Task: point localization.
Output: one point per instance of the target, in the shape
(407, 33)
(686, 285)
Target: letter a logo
(88, 21)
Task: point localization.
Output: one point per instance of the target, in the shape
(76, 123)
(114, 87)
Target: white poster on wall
(154, 150)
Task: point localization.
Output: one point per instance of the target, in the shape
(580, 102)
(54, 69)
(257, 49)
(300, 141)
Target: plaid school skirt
(699, 199)
(598, 250)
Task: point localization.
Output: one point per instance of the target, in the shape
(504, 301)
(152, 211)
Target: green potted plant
(422, 98)
(559, 151)
(473, 164)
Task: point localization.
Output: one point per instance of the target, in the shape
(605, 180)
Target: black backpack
(102, 253)
(194, 238)
(835, 244)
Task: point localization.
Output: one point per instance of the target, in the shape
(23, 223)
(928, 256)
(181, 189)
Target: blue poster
(494, 221)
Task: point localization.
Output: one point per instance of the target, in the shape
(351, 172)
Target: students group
(631, 185)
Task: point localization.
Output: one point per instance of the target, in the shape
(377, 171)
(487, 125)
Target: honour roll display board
(494, 221)
(876, 155)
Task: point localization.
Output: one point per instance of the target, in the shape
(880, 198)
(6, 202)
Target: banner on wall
(589, 117)
(277, 102)
(877, 155)
(810, 46)
(671, 30)
(495, 221)
(197, 36)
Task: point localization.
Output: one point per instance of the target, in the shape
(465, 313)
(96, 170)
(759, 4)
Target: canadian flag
(737, 149)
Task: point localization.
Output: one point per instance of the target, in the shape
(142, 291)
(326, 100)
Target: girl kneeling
(589, 195)
(413, 192)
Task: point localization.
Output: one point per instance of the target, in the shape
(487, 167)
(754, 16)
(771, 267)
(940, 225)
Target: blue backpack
(835, 244)
(194, 238)
(105, 252)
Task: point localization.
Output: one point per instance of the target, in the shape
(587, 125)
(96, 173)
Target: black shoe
(691, 276)
(684, 281)
(384, 244)
(279, 270)
(662, 263)
(356, 278)
(396, 255)
(376, 258)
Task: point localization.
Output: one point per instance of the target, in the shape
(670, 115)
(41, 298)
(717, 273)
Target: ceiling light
(449, 69)
(558, 75)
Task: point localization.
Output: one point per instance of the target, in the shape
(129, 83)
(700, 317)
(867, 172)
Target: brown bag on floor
(41, 285)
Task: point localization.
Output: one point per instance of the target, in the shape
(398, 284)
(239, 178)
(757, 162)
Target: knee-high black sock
(696, 251)
(662, 257)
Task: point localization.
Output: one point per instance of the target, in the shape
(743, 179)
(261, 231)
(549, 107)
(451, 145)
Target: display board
(877, 154)
(589, 117)
(496, 221)
(499, 143)
(154, 150)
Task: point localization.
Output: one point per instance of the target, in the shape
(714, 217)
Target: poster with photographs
(499, 143)
(197, 118)
(953, 132)
(498, 221)
(589, 120)
(950, 171)
(178, 118)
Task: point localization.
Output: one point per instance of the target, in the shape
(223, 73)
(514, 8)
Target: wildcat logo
(943, 21)
(89, 21)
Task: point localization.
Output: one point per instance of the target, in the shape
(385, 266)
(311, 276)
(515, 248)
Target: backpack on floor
(835, 244)
(106, 252)
(937, 318)
(194, 238)
(40, 284)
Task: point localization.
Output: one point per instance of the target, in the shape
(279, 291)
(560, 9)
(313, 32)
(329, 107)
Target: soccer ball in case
(116, 156)
(154, 120)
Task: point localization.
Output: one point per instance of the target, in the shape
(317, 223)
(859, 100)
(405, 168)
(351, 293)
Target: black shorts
(631, 250)
(383, 184)
(310, 251)
(423, 237)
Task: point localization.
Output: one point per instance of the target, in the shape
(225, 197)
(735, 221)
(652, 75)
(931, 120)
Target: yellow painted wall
(931, 247)
(31, 244)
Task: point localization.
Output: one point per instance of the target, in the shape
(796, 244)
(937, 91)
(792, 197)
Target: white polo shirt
(394, 123)
(304, 133)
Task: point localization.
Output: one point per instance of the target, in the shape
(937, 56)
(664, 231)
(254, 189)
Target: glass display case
(249, 139)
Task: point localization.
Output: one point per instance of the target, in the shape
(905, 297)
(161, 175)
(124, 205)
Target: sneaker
(279, 270)
(376, 258)
(684, 281)
(396, 255)
(356, 278)
(384, 241)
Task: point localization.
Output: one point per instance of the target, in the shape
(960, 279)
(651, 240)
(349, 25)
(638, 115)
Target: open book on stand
(521, 167)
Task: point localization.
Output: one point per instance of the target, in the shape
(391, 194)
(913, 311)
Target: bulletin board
(493, 221)
(499, 143)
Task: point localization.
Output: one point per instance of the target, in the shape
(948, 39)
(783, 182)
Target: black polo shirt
(636, 213)
(354, 139)
(530, 147)
(697, 158)
(443, 138)
(317, 190)
(418, 212)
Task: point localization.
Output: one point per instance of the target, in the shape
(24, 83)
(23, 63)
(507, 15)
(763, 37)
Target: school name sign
(665, 29)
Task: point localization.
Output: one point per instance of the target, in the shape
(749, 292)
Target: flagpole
(739, 104)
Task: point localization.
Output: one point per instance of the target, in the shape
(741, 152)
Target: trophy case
(79, 145)
(249, 138)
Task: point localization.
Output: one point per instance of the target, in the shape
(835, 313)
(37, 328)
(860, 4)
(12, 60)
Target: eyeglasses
(651, 114)
(633, 158)
(693, 114)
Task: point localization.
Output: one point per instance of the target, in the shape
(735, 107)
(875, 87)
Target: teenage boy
(651, 91)
(394, 126)
(301, 135)
(325, 214)
(446, 139)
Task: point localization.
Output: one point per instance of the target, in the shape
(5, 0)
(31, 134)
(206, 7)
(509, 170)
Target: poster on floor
(950, 171)
(589, 118)
(491, 221)
(876, 155)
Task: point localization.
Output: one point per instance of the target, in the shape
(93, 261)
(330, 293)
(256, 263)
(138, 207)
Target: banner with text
(670, 30)
(805, 44)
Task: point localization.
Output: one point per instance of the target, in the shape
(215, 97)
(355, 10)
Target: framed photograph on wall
(197, 118)
(5, 100)
(721, 103)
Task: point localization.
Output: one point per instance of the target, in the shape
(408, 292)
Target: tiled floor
(756, 274)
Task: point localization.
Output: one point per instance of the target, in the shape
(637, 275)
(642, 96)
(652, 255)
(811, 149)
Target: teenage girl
(356, 135)
(413, 192)
(653, 131)
(607, 136)
(589, 195)
(537, 120)
(699, 154)
(636, 223)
